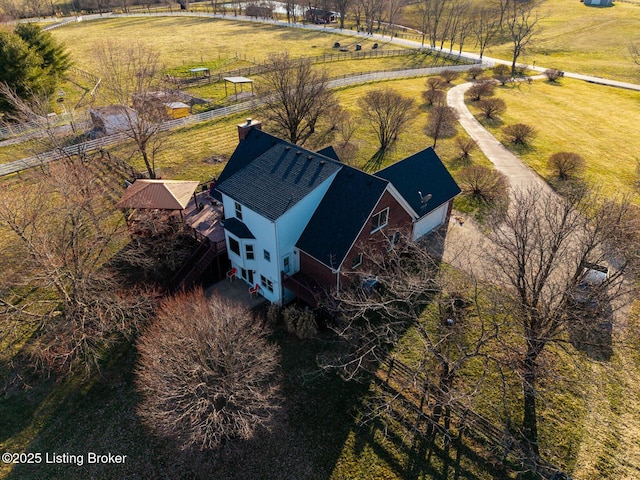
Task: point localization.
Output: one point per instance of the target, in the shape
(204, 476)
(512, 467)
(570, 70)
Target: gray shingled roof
(337, 221)
(422, 172)
(278, 179)
(238, 228)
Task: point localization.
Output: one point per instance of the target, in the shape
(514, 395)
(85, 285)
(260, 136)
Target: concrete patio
(236, 291)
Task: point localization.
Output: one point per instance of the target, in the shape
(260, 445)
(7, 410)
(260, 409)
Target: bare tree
(436, 303)
(296, 97)
(466, 146)
(475, 72)
(485, 184)
(64, 232)
(485, 26)
(130, 74)
(342, 6)
(502, 73)
(521, 25)
(387, 111)
(431, 14)
(634, 51)
(478, 90)
(553, 74)
(492, 107)
(449, 75)
(441, 123)
(566, 164)
(519, 133)
(543, 244)
(206, 373)
(435, 90)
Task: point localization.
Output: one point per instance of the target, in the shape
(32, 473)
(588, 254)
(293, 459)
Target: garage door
(429, 222)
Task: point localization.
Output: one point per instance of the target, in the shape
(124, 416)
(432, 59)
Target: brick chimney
(245, 128)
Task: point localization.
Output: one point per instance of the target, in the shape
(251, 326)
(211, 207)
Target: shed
(598, 3)
(176, 110)
(112, 119)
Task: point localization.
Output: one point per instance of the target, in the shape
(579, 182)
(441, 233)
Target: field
(593, 121)
(592, 428)
(575, 38)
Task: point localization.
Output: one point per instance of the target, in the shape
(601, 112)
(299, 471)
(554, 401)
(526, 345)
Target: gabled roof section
(339, 218)
(278, 178)
(238, 228)
(330, 152)
(420, 175)
(158, 194)
(255, 144)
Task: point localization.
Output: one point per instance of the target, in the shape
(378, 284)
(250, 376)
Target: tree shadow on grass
(375, 162)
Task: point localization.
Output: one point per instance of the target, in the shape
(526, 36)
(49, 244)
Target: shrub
(519, 133)
(485, 184)
(475, 72)
(300, 323)
(274, 314)
(433, 97)
(485, 88)
(449, 75)
(492, 107)
(466, 145)
(502, 73)
(206, 374)
(553, 75)
(566, 164)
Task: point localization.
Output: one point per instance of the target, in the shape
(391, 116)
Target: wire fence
(253, 104)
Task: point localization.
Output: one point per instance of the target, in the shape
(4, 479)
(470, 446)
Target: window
(266, 283)
(234, 246)
(267, 256)
(379, 220)
(248, 250)
(357, 261)
(393, 241)
(238, 211)
(286, 264)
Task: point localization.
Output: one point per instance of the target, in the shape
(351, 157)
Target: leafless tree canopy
(480, 90)
(519, 133)
(130, 74)
(566, 164)
(492, 107)
(64, 229)
(520, 23)
(388, 112)
(442, 123)
(634, 51)
(542, 244)
(484, 184)
(296, 97)
(206, 373)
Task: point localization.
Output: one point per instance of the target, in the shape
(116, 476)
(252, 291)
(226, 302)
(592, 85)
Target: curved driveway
(518, 174)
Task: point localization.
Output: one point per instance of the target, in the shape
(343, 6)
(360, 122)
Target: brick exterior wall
(367, 242)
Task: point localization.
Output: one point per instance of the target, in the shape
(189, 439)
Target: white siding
(430, 222)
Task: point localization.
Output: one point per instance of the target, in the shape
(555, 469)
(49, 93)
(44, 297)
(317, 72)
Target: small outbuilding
(176, 110)
(112, 119)
(598, 3)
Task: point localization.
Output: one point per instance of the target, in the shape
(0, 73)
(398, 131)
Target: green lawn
(594, 121)
(575, 38)
(194, 41)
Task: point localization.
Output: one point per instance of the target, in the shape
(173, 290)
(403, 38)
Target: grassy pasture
(575, 38)
(194, 41)
(594, 121)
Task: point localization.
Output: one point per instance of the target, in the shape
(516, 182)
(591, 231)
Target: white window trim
(386, 219)
(357, 260)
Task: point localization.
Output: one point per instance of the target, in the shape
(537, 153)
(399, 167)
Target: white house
(295, 217)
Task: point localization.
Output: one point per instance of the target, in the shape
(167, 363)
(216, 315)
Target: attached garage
(431, 221)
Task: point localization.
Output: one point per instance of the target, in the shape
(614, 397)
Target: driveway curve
(518, 174)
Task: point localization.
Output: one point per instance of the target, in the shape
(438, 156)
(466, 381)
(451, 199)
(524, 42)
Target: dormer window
(379, 220)
(238, 211)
